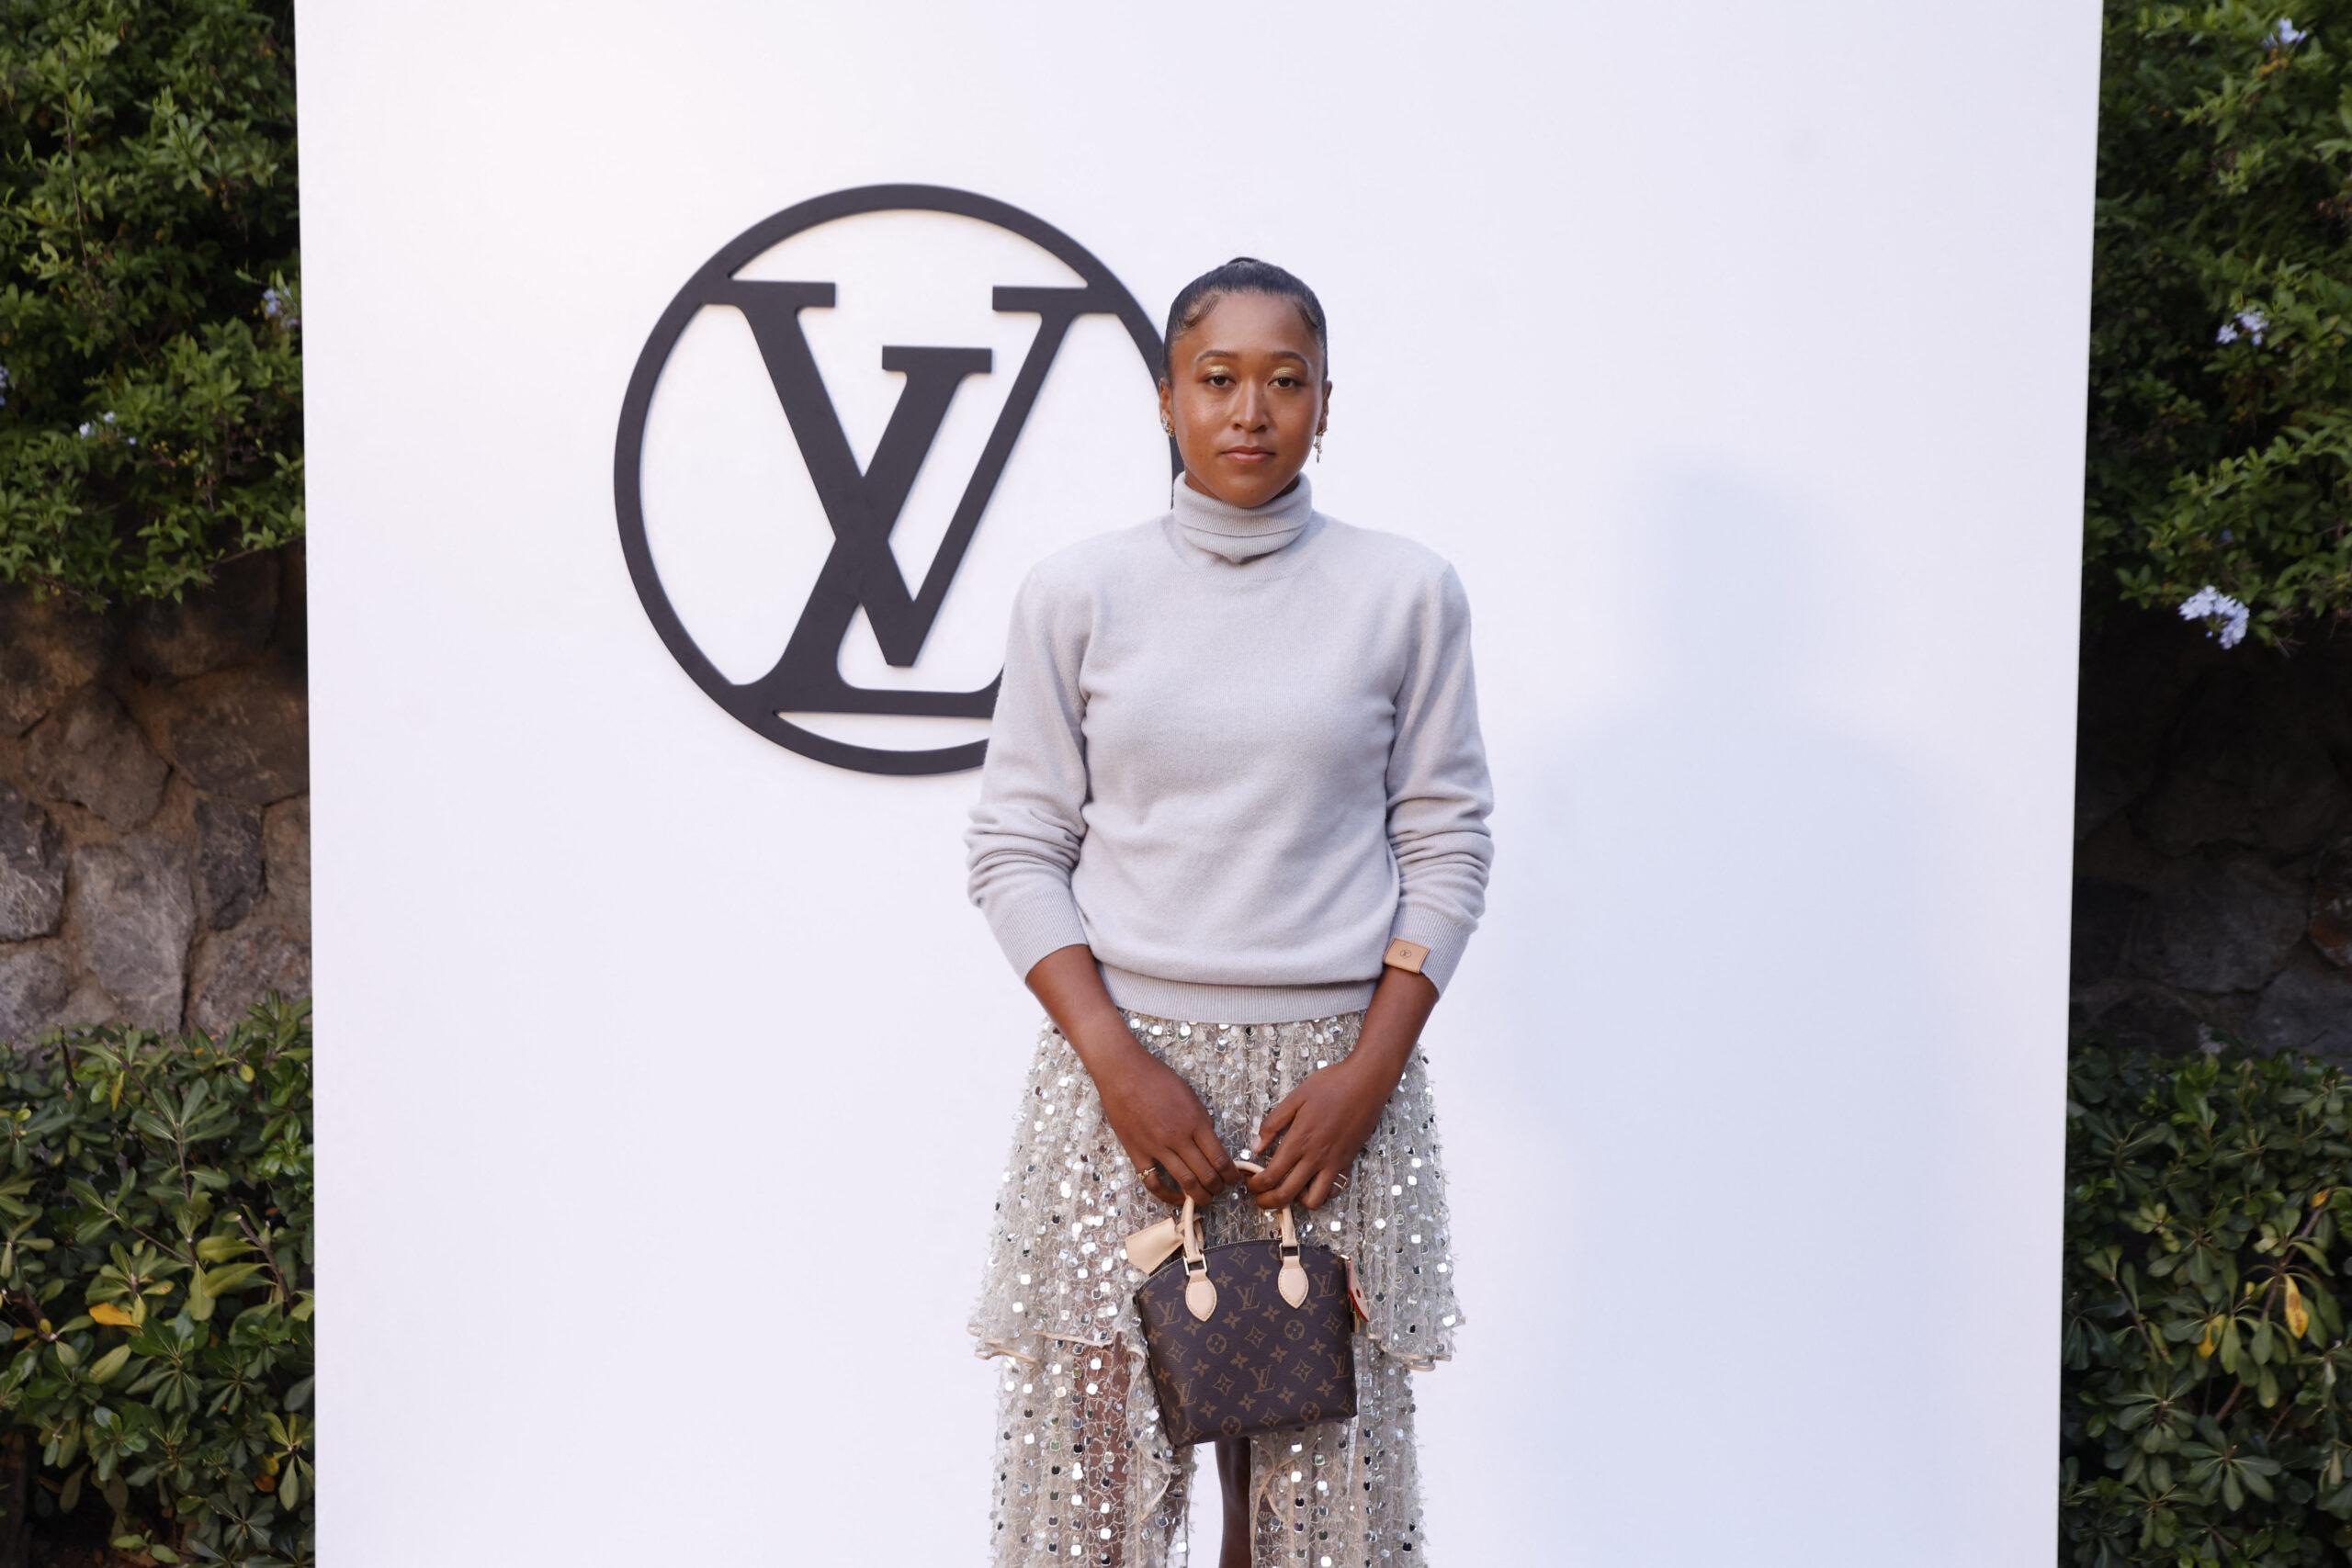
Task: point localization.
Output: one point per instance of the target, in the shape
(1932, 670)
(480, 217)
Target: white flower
(2253, 323)
(271, 302)
(85, 428)
(108, 416)
(2210, 603)
(2287, 33)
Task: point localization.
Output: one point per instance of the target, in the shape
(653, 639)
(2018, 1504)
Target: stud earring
(1166, 426)
(1318, 445)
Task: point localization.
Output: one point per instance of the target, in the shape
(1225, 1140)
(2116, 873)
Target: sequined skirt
(1083, 1473)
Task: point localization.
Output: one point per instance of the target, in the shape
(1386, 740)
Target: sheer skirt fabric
(1082, 1473)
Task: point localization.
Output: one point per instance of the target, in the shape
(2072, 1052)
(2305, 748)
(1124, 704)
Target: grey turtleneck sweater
(1235, 751)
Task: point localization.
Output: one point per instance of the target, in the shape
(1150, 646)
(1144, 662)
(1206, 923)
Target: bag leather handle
(1149, 1247)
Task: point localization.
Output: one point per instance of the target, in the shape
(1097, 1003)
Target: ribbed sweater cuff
(1444, 935)
(1031, 922)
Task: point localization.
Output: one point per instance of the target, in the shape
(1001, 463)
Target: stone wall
(2213, 839)
(154, 805)
(154, 821)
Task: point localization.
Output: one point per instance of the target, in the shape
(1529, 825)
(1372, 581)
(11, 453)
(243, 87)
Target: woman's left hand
(1322, 1124)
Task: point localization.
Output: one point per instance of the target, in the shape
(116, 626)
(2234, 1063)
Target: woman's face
(1247, 397)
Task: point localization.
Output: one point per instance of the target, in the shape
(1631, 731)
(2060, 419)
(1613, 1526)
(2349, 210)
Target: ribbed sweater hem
(1191, 1001)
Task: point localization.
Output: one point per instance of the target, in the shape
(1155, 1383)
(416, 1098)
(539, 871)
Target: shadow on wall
(154, 805)
(1750, 955)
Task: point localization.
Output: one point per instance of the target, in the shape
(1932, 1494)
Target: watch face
(1405, 955)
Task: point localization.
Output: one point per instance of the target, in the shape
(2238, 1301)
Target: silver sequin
(1082, 1474)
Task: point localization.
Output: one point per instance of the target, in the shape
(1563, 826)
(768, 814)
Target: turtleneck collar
(1239, 533)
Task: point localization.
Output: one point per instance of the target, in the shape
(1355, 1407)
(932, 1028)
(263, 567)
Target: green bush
(156, 1281)
(149, 354)
(2207, 1377)
(2220, 443)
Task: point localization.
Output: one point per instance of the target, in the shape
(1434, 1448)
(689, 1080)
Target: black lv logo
(861, 508)
(862, 505)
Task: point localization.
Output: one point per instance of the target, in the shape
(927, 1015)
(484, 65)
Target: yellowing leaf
(2205, 1347)
(2299, 1316)
(107, 1312)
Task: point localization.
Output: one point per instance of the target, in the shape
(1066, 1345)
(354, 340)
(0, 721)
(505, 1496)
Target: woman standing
(1232, 833)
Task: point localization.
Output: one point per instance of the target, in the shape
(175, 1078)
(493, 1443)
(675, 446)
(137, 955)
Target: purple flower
(2253, 323)
(2210, 603)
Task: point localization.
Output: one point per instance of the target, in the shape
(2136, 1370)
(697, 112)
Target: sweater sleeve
(1024, 830)
(1439, 793)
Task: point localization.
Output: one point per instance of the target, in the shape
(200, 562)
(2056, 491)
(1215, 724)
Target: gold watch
(1403, 955)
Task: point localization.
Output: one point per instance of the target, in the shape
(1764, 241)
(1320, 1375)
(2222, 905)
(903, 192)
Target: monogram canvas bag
(1245, 1337)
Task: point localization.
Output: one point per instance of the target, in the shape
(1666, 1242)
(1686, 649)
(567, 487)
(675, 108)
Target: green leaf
(221, 1246)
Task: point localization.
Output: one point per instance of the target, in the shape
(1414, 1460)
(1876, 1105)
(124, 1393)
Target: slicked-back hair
(1242, 275)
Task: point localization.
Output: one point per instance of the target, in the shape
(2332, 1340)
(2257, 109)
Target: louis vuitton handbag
(1245, 1337)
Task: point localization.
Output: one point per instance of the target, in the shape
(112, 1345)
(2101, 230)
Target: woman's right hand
(1160, 1121)
(1152, 1110)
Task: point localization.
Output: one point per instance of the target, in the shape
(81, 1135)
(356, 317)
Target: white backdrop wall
(1734, 356)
